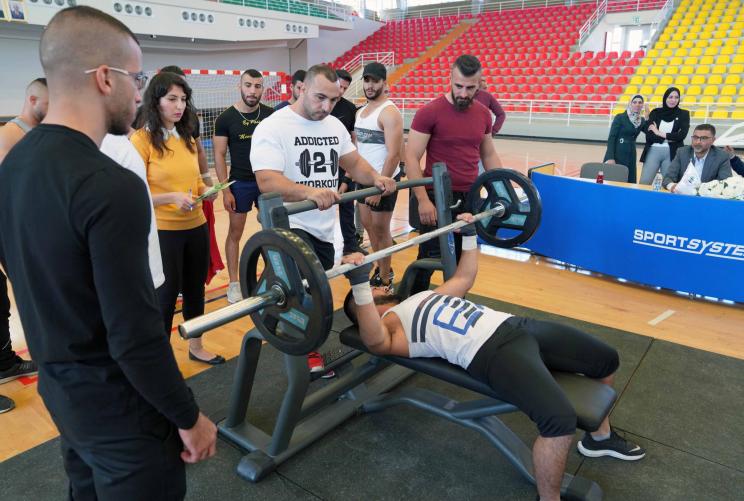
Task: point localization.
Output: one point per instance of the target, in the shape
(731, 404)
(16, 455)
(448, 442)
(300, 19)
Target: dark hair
(344, 75)
(349, 305)
(173, 69)
(298, 76)
(159, 87)
(667, 93)
(707, 127)
(467, 64)
(252, 73)
(320, 69)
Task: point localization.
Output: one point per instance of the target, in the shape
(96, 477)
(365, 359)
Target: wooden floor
(513, 277)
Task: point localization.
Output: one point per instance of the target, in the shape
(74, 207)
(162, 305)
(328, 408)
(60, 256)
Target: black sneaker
(20, 369)
(615, 446)
(376, 281)
(6, 404)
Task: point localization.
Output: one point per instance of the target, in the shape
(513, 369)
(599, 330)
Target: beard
(250, 101)
(120, 121)
(461, 103)
(374, 94)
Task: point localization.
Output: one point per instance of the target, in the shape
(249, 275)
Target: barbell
(291, 303)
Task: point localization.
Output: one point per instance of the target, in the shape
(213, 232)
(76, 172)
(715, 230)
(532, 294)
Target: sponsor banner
(683, 243)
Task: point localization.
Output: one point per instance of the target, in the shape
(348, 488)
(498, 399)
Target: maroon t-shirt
(492, 104)
(455, 138)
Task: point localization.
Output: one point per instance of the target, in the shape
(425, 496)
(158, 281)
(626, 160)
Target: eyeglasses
(140, 79)
(702, 138)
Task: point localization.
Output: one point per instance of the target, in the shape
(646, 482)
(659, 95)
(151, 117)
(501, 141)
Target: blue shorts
(246, 195)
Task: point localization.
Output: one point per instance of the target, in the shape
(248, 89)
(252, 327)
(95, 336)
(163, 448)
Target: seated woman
(621, 144)
(513, 355)
(167, 147)
(666, 131)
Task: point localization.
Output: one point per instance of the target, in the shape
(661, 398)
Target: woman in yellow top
(167, 147)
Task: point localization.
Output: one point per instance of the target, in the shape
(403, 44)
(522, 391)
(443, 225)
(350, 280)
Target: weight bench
(591, 400)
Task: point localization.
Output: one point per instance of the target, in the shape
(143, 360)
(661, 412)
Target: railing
(473, 10)
(661, 18)
(611, 6)
(313, 8)
(385, 58)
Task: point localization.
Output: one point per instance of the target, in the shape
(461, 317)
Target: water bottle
(600, 177)
(656, 185)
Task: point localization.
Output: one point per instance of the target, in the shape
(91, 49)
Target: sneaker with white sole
(234, 294)
(615, 446)
(19, 369)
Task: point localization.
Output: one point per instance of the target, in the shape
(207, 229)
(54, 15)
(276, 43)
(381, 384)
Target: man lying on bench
(513, 355)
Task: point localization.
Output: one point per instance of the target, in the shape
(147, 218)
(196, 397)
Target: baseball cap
(375, 70)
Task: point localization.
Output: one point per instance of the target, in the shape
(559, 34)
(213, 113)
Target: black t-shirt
(77, 259)
(238, 129)
(346, 112)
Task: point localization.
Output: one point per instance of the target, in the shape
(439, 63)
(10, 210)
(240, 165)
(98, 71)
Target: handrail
(358, 61)
(594, 19)
(611, 6)
(392, 15)
(312, 8)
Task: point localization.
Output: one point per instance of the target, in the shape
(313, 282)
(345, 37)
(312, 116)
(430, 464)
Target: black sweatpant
(516, 362)
(325, 251)
(185, 256)
(431, 249)
(8, 357)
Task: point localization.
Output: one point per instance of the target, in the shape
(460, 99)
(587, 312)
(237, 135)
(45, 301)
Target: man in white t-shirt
(513, 355)
(121, 151)
(297, 151)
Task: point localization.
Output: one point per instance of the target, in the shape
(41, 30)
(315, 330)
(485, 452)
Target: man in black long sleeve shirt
(73, 238)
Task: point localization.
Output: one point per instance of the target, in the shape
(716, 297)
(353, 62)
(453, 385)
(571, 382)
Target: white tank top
(371, 138)
(447, 327)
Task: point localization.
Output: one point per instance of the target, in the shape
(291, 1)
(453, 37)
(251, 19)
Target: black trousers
(430, 248)
(324, 250)
(346, 217)
(516, 362)
(185, 256)
(8, 357)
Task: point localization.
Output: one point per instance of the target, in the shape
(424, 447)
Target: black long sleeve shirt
(73, 239)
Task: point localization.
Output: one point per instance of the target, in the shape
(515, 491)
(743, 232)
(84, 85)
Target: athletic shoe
(376, 281)
(615, 446)
(6, 404)
(234, 294)
(20, 369)
(328, 375)
(315, 362)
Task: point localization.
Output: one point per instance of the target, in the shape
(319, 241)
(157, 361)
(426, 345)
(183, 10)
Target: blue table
(683, 243)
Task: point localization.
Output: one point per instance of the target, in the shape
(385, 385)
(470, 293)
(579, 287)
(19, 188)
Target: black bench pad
(591, 399)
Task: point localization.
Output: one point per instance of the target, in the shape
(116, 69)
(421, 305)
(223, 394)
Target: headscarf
(666, 113)
(635, 118)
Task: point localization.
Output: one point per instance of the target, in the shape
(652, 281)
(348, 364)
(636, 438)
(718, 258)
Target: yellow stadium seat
(711, 90)
(691, 60)
(734, 34)
(636, 80)
(725, 100)
(715, 79)
(666, 80)
(707, 100)
(706, 60)
(727, 51)
(696, 51)
(733, 80)
(664, 37)
(667, 53)
(654, 101)
(674, 45)
(739, 25)
(631, 89)
(625, 99)
(645, 90)
(661, 89)
(698, 80)
(723, 59)
(728, 90)
(736, 69)
(738, 115)
(687, 70)
(702, 69)
(678, 37)
(715, 43)
(695, 28)
(709, 28)
(738, 59)
(661, 61)
(720, 114)
(651, 80)
(658, 70)
(647, 61)
(675, 61)
(701, 43)
(642, 70)
(652, 53)
(711, 51)
(740, 49)
(693, 90)
(671, 70)
(682, 80)
(719, 69)
(705, 35)
(689, 100)
(731, 42)
(740, 100)
(699, 20)
(687, 44)
(700, 113)
(661, 45)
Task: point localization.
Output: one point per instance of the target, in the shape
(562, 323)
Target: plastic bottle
(656, 185)
(600, 177)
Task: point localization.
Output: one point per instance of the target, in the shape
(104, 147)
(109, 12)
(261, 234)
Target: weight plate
(302, 323)
(522, 212)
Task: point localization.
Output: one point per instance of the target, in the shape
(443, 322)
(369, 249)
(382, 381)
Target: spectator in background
(665, 131)
(490, 102)
(711, 163)
(736, 164)
(167, 147)
(34, 110)
(621, 144)
(297, 78)
(345, 111)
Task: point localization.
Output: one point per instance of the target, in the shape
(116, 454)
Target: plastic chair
(612, 172)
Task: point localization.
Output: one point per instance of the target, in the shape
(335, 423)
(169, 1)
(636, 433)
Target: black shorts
(246, 195)
(516, 362)
(387, 203)
(325, 251)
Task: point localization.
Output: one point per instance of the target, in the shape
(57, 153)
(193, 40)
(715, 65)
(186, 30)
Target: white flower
(711, 189)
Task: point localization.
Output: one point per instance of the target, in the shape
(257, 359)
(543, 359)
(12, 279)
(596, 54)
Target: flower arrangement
(731, 188)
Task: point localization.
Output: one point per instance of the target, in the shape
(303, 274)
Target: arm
(219, 143)
(9, 136)
(736, 164)
(497, 110)
(467, 269)
(391, 122)
(612, 139)
(141, 143)
(201, 157)
(488, 154)
(684, 127)
(417, 142)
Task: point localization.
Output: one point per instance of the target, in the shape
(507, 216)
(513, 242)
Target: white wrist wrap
(469, 243)
(362, 293)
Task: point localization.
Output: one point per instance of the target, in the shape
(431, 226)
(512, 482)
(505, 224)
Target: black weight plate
(521, 218)
(303, 322)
